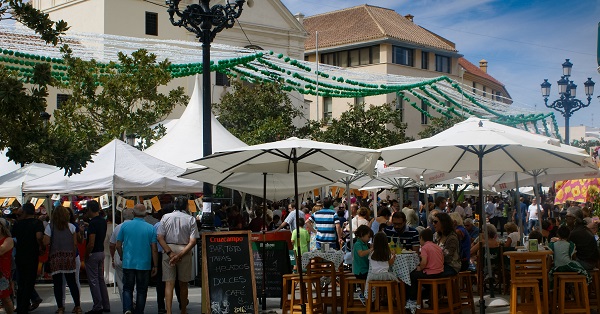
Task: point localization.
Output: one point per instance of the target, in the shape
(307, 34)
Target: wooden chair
(530, 265)
(392, 292)
(526, 307)
(465, 288)
(437, 285)
(287, 289)
(349, 303)
(594, 288)
(581, 302)
(327, 271)
(311, 288)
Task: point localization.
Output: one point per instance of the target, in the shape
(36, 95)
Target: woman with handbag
(62, 238)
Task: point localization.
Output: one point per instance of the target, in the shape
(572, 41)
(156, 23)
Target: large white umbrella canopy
(278, 185)
(11, 184)
(506, 181)
(458, 149)
(117, 167)
(293, 156)
(280, 157)
(478, 145)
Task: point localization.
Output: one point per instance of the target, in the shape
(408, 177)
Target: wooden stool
(454, 304)
(349, 303)
(594, 290)
(465, 286)
(287, 288)
(312, 291)
(392, 292)
(582, 301)
(525, 283)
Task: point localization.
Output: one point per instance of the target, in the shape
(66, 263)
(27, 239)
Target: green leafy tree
(373, 127)
(23, 131)
(108, 101)
(439, 124)
(258, 113)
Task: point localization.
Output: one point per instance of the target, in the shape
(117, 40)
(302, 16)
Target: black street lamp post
(205, 22)
(567, 104)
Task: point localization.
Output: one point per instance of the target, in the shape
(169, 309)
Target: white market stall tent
(11, 184)
(118, 168)
(183, 141)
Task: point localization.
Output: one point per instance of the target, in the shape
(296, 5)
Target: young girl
(431, 266)
(380, 261)
(563, 251)
(361, 251)
(513, 234)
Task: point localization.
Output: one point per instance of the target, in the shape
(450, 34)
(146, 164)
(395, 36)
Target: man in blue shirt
(136, 244)
(399, 231)
(328, 226)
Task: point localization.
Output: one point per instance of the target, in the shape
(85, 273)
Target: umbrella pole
(401, 197)
(482, 227)
(299, 253)
(519, 211)
(264, 255)
(348, 209)
(426, 202)
(536, 193)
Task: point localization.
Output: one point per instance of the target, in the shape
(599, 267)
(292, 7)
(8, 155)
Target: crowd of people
(140, 253)
(158, 249)
(447, 240)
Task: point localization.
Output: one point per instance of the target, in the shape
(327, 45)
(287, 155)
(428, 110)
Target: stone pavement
(48, 306)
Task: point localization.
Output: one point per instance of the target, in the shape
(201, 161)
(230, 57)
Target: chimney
(409, 17)
(299, 17)
(483, 64)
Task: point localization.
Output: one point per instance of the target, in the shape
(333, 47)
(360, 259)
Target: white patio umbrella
(293, 156)
(478, 145)
(278, 185)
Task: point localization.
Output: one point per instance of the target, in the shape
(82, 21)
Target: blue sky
(523, 41)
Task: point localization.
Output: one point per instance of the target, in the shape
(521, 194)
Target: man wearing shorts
(177, 236)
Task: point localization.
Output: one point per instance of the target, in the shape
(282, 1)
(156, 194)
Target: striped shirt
(325, 221)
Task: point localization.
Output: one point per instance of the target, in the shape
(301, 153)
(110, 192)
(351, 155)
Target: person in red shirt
(431, 266)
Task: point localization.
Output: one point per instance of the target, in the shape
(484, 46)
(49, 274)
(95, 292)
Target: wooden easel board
(228, 272)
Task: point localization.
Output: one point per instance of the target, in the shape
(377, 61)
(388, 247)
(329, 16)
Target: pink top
(435, 258)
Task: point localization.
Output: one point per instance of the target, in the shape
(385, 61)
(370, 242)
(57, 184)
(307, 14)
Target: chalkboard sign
(277, 264)
(228, 272)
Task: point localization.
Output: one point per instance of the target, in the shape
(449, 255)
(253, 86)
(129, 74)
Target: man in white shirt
(460, 210)
(533, 215)
(290, 220)
(412, 219)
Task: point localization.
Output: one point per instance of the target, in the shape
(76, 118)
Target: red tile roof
(475, 70)
(366, 23)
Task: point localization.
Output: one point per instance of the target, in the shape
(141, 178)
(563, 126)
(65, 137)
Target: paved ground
(498, 305)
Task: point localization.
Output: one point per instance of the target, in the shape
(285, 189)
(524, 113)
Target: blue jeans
(532, 223)
(140, 279)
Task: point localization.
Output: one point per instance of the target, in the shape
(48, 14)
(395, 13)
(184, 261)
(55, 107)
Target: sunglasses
(435, 221)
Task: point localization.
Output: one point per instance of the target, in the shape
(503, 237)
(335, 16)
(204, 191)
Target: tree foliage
(258, 113)
(22, 101)
(109, 101)
(128, 100)
(373, 127)
(439, 124)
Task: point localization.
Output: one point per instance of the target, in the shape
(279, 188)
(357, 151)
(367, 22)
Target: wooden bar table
(531, 265)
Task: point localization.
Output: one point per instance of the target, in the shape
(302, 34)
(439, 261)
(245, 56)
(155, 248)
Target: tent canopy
(183, 141)
(117, 167)
(11, 183)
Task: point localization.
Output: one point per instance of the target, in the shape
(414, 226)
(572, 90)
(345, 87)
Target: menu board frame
(219, 307)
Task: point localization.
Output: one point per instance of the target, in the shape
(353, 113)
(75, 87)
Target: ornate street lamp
(567, 104)
(205, 22)
(45, 118)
